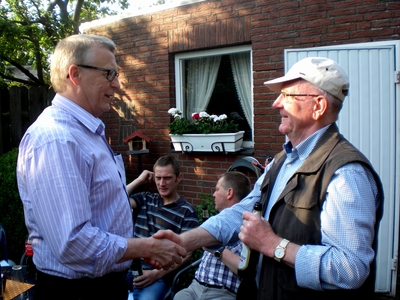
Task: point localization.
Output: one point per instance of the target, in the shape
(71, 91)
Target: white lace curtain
(240, 63)
(202, 75)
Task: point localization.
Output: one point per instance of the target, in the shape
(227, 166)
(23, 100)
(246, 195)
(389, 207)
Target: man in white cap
(322, 200)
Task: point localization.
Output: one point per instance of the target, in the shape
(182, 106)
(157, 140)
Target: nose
(278, 101)
(115, 83)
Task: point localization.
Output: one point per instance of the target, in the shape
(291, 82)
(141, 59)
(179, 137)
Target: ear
(178, 179)
(230, 193)
(73, 74)
(320, 107)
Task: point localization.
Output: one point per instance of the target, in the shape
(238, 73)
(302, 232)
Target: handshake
(164, 250)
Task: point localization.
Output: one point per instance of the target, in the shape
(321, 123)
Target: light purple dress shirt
(73, 190)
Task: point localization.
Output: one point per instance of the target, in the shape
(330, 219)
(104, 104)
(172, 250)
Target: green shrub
(11, 209)
(208, 204)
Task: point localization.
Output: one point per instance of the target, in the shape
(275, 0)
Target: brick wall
(147, 44)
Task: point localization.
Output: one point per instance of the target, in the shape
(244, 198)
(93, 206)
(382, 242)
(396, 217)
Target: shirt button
(289, 165)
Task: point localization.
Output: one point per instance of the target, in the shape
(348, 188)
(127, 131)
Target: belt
(215, 286)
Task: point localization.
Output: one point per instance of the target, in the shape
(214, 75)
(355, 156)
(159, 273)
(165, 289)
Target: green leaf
(30, 30)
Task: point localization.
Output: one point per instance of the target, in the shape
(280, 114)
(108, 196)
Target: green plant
(201, 123)
(11, 209)
(207, 203)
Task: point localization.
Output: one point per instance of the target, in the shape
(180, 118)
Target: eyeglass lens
(111, 74)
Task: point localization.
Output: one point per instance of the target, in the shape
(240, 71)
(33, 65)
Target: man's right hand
(160, 253)
(146, 177)
(164, 252)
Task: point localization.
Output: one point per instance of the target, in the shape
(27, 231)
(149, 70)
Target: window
(217, 81)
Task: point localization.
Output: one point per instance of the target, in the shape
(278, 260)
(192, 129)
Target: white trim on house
(135, 13)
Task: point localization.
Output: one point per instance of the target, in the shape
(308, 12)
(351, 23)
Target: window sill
(243, 151)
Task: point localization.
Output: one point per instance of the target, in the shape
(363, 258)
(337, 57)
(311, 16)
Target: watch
(280, 251)
(218, 253)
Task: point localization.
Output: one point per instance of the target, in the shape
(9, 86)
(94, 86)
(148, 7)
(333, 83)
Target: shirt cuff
(307, 266)
(105, 260)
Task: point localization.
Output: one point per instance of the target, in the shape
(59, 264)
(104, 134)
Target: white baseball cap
(320, 71)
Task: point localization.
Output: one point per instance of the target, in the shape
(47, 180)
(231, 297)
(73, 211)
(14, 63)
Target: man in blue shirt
(72, 185)
(216, 277)
(322, 200)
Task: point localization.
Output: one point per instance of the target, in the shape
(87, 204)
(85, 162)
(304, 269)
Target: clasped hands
(166, 250)
(255, 232)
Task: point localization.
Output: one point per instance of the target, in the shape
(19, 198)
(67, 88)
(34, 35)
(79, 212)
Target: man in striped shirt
(216, 277)
(154, 211)
(73, 186)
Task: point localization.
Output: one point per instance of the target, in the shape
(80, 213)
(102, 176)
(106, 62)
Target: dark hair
(167, 160)
(239, 182)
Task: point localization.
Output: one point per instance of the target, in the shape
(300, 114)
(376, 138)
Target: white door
(369, 120)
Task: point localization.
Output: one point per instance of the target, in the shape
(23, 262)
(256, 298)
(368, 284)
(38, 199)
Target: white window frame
(179, 76)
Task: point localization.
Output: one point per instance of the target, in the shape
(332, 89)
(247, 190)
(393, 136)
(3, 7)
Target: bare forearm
(145, 177)
(197, 238)
(136, 249)
(133, 185)
(231, 260)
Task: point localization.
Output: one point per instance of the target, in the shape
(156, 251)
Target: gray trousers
(196, 291)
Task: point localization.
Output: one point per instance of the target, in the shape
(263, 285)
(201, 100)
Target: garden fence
(19, 108)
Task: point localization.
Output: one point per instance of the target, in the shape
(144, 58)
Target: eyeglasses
(285, 95)
(111, 74)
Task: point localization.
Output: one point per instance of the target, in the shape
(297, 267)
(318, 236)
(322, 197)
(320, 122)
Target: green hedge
(11, 209)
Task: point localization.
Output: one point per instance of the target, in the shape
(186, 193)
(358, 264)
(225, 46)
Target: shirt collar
(83, 116)
(305, 147)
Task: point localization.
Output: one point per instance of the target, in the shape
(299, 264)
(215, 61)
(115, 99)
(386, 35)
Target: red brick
(146, 46)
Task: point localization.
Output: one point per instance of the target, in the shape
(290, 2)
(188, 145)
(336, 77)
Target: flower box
(212, 142)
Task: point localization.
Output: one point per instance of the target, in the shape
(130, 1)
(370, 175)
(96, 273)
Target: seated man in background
(155, 211)
(215, 278)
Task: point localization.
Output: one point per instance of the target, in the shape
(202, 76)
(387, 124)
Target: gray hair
(335, 104)
(75, 49)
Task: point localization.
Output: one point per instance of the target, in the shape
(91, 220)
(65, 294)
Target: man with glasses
(322, 200)
(73, 186)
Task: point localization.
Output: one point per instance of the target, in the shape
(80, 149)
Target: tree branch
(77, 15)
(23, 70)
(15, 79)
